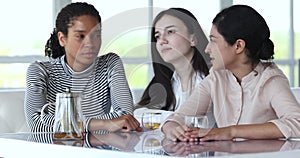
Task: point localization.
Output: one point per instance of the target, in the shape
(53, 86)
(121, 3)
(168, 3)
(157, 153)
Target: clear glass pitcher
(68, 119)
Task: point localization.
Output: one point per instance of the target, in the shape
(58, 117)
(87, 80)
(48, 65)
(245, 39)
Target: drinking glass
(196, 121)
(151, 120)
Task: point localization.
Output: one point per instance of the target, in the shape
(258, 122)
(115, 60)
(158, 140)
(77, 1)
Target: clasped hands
(177, 132)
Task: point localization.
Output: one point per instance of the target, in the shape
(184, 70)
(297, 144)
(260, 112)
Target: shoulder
(39, 66)
(109, 57)
(37, 70)
(48, 64)
(273, 82)
(269, 73)
(270, 70)
(109, 60)
(43, 66)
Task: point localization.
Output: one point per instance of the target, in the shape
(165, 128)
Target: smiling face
(83, 42)
(223, 55)
(173, 41)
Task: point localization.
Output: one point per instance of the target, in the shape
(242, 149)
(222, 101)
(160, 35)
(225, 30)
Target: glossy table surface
(150, 144)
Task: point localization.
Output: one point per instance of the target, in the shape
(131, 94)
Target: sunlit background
(26, 25)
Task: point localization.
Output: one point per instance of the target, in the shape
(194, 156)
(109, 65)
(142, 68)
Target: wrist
(233, 131)
(165, 127)
(169, 125)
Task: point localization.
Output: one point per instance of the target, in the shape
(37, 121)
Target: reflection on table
(222, 148)
(154, 142)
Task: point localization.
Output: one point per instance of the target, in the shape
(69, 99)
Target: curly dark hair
(64, 21)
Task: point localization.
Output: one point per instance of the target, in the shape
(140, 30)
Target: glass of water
(196, 121)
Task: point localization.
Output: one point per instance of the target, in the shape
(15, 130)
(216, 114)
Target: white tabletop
(11, 148)
(133, 146)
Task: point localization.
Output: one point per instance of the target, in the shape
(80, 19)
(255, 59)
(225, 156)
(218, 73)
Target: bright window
(26, 26)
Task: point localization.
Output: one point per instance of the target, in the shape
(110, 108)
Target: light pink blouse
(264, 95)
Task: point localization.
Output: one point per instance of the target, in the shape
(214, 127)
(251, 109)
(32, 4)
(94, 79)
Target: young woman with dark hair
(74, 63)
(177, 46)
(251, 97)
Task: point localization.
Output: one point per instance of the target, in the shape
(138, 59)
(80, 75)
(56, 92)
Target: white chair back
(12, 116)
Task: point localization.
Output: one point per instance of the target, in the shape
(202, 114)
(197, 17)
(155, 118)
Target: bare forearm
(96, 124)
(257, 131)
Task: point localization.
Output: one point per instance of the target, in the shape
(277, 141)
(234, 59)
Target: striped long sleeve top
(103, 85)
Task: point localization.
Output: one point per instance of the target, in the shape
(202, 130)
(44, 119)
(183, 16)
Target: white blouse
(181, 95)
